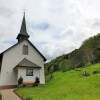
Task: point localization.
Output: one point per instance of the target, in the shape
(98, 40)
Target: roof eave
(16, 68)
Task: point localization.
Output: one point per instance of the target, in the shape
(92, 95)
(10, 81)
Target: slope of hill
(70, 85)
(87, 54)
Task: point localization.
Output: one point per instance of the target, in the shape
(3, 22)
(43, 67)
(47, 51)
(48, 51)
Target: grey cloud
(68, 32)
(6, 12)
(96, 23)
(41, 26)
(70, 22)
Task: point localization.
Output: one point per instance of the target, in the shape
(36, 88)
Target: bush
(77, 69)
(28, 98)
(20, 80)
(87, 64)
(65, 68)
(65, 65)
(95, 72)
(80, 64)
(37, 81)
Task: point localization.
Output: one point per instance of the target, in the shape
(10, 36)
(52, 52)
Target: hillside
(69, 85)
(87, 54)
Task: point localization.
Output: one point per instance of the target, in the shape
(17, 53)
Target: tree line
(87, 54)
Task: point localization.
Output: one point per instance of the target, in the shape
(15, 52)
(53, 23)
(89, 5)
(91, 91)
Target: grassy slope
(69, 85)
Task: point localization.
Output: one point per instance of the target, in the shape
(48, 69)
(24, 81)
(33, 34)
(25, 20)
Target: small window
(29, 72)
(25, 50)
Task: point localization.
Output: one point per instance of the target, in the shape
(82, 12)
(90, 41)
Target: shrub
(20, 80)
(95, 72)
(80, 64)
(37, 81)
(77, 69)
(28, 98)
(65, 65)
(87, 64)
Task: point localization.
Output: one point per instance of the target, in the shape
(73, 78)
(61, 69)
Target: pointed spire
(23, 31)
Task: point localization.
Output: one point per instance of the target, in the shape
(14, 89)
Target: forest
(87, 54)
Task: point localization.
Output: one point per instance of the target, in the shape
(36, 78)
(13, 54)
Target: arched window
(25, 49)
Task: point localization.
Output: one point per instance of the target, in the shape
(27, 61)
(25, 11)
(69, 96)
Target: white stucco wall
(22, 73)
(12, 57)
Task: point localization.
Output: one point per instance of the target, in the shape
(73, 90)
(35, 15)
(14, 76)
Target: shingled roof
(27, 63)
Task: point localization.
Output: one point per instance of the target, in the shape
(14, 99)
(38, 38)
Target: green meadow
(70, 85)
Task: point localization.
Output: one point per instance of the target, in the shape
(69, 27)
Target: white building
(22, 59)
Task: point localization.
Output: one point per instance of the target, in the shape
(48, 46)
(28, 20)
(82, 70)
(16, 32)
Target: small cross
(24, 11)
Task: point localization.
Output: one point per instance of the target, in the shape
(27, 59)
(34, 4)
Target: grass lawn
(69, 85)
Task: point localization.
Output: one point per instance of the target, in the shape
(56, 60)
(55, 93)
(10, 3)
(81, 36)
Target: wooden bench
(28, 83)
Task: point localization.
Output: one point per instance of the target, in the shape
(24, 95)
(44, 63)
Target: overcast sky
(55, 27)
